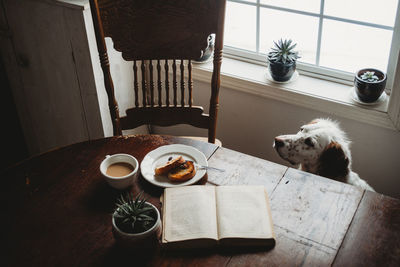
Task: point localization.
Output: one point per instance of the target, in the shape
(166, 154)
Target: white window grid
(316, 70)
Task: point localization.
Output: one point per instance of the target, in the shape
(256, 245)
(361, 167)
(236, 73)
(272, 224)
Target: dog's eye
(301, 129)
(308, 141)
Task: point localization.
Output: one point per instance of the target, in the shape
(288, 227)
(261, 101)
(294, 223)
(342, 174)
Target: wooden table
(56, 211)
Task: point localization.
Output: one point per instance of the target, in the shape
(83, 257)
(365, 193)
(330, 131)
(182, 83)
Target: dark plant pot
(369, 91)
(281, 72)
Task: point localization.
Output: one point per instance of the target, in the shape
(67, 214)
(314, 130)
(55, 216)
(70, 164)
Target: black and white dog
(322, 148)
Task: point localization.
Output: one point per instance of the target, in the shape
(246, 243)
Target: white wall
(248, 123)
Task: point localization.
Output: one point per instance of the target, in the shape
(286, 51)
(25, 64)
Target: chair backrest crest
(139, 32)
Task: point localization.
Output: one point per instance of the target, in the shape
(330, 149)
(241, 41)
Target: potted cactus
(136, 222)
(369, 84)
(282, 60)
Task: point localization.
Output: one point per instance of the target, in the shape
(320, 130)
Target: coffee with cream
(119, 169)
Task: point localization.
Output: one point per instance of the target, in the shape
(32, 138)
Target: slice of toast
(170, 165)
(183, 173)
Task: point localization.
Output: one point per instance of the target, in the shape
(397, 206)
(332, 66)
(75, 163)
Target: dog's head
(320, 146)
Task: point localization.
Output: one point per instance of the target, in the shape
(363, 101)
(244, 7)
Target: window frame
(311, 69)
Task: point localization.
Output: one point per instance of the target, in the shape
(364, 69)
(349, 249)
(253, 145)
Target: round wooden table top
(56, 211)
(58, 206)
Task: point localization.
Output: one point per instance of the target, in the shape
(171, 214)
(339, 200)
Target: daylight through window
(334, 37)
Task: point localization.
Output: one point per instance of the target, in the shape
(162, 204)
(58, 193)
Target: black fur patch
(333, 163)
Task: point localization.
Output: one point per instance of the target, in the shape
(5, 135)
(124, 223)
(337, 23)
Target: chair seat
(203, 139)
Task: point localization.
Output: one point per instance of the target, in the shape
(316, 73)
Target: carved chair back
(162, 38)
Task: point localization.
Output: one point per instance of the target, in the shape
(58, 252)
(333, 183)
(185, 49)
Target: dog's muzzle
(278, 142)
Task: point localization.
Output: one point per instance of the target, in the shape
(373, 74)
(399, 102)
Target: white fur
(306, 147)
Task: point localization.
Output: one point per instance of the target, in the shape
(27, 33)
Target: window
(335, 38)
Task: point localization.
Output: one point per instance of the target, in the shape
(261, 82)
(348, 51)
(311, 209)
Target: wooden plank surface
(311, 215)
(11, 66)
(59, 206)
(239, 169)
(52, 113)
(244, 169)
(373, 238)
(318, 208)
(288, 251)
(75, 28)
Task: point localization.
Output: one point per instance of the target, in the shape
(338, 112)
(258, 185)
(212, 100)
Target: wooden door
(48, 65)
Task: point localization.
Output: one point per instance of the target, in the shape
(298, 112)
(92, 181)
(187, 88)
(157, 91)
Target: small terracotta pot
(369, 91)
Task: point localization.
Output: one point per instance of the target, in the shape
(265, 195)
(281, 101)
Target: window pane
(240, 26)
(379, 12)
(303, 5)
(303, 30)
(350, 47)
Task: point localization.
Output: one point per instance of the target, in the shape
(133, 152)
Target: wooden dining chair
(162, 38)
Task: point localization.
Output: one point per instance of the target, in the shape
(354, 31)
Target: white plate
(292, 79)
(160, 156)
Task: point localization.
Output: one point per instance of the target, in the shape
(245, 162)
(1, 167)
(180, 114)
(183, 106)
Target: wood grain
(161, 30)
(311, 215)
(58, 209)
(41, 59)
(59, 206)
(105, 66)
(165, 116)
(287, 252)
(318, 209)
(373, 238)
(244, 169)
(84, 71)
(142, 30)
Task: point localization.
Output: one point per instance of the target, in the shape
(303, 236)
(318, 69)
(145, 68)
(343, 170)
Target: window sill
(309, 92)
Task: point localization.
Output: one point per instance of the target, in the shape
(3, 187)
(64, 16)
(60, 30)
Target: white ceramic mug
(123, 181)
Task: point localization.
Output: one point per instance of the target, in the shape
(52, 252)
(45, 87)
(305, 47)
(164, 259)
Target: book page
(243, 212)
(189, 213)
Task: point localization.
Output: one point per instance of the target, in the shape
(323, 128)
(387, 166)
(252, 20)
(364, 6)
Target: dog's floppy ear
(333, 162)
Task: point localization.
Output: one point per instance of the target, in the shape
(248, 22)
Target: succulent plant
(283, 52)
(369, 76)
(134, 215)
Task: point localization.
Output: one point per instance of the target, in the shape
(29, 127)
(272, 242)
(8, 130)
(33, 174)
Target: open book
(201, 216)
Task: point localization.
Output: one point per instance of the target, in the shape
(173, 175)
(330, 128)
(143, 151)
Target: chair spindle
(144, 83)
(190, 83)
(151, 83)
(182, 84)
(135, 84)
(174, 84)
(166, 83)
(159, 84)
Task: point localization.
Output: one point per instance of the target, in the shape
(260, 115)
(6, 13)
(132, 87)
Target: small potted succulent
(282, 60)
(136, 223)
(369, 84)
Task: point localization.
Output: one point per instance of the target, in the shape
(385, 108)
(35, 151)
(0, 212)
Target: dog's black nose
(278, 142)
